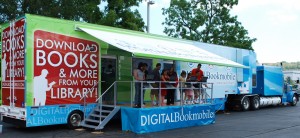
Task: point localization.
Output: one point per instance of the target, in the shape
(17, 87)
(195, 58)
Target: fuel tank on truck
(269, 81)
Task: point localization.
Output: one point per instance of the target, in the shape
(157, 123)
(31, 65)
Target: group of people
(162, 83)
(197, 73)
(167, 75)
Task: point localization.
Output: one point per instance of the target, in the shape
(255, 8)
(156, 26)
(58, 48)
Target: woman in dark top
(164, 78)
(171, 92)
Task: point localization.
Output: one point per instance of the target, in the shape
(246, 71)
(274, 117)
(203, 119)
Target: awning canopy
(149, 47)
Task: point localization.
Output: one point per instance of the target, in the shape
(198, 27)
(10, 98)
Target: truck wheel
(254, 103)
(245, 104)
(74, 119)
(294, 102)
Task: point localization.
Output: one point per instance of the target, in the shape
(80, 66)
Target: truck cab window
(254, 80)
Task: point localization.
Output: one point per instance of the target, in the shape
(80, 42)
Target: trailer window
(254, 80)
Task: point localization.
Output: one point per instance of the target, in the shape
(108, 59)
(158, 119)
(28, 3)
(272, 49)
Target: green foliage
(183, 20)
(116, 13)
(9, 9)
(289, 80)
(286, 65)
(206, 21)
(119, 14)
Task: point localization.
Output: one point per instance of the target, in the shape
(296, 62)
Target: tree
(289, 80)
(183, 20)
(9, 10)
(286, 65)
(117, 13)
(207, 21)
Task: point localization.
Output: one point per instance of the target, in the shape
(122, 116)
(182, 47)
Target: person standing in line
(145, 69)
(198, 73)
(171, 92)
(189, 92)
(164, 78)
(157, 78)
(138, 75)
(182, 80)
(145, 65)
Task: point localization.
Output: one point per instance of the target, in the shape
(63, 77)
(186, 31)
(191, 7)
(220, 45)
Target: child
(189, 92)
(164, 78)
(182, 81)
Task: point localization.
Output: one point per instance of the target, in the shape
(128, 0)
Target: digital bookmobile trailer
(46, 70)
(51, 70)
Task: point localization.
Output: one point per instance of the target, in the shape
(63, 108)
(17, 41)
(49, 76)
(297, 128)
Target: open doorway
(108, 77)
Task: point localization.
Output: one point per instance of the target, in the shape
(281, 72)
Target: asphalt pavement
(275, 122)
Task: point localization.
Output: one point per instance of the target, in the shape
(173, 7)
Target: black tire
(74, 119)
(254, 104)
(245, 104)
(294, 101)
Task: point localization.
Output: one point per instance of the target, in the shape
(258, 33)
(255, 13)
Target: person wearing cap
(198, 73)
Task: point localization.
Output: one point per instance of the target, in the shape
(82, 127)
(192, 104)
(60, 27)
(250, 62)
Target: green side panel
(63, 27)
(124, 63)
(124, 74)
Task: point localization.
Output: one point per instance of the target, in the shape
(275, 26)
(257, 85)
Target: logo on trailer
(244, 87)
(190, 64)
(228, 69)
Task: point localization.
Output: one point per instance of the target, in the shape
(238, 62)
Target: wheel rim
(294, 100)
(256, 103)
(246, 104)
(75, 119)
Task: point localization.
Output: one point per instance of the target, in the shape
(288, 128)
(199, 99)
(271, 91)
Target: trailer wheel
(74, 119)
(245, 104)
(255, 103)
(295, 100)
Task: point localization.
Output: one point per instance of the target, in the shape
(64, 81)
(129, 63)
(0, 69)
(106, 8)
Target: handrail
(181, 87)
(106, 91)
(85, 95)
(109, 89)
(90, 90)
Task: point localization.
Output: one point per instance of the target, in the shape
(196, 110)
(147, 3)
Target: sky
(275, 24)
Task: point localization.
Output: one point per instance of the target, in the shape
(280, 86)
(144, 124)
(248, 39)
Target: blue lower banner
(145, 120)
(53, 114)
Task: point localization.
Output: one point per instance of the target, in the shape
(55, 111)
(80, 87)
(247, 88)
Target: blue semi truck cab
(270, 89)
